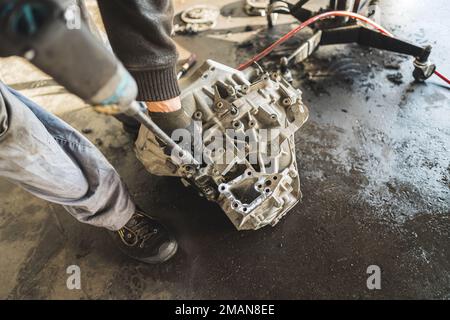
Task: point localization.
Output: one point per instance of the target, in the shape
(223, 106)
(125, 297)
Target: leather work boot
(145, 239)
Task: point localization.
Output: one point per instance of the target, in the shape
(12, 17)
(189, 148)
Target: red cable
(440, 75)
(322, 16)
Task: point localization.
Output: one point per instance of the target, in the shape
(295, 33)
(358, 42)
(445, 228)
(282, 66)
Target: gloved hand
(170, 116)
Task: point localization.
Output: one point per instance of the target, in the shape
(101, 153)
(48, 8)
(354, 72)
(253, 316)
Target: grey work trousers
(50, 159)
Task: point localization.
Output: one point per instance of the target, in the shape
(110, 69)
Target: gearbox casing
(248, 161)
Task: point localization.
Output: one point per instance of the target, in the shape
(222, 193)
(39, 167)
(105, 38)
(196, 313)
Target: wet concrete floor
(375, 166)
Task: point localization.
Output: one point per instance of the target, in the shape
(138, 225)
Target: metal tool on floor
(190, 62)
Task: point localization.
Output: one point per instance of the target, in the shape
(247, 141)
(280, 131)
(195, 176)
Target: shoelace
(141, 231)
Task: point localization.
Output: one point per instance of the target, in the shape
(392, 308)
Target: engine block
(248, 161)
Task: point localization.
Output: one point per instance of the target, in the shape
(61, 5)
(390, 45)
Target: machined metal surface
(248, 161)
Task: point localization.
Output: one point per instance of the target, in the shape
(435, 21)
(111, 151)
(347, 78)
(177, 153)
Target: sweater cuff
(156, 85)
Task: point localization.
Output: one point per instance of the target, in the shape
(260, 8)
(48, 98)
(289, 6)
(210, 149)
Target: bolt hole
(267, 190)
(268, 183)
(198, 115)
(275, 178)
(287, 101)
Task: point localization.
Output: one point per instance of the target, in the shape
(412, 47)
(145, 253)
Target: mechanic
(53, 161)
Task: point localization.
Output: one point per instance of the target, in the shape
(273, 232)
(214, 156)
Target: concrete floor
(375, 166)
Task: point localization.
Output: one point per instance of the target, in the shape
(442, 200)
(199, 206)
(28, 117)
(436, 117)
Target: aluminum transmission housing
(252, 176)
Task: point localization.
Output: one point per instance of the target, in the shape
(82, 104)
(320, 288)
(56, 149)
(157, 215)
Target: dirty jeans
(50, 159)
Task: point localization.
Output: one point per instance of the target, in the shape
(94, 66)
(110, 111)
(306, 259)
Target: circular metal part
(278, 7)
(287, 102)
(256, 7)
(275, 76)
(189, 169)
(237, 124)
(198, 115)
(204, 17)
(245, 88)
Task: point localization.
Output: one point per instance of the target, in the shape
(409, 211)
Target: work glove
(188, 138)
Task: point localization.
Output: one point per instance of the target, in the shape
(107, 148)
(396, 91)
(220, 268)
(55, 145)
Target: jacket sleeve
(139, 32)
(3, 117)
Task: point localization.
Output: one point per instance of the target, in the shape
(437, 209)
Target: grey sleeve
(3, 117)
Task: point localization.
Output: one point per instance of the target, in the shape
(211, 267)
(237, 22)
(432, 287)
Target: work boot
(145, 239)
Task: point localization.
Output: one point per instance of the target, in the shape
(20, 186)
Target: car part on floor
(249, 161)
(199, 18)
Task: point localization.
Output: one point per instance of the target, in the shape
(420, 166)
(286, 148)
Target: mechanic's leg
(50, 159)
